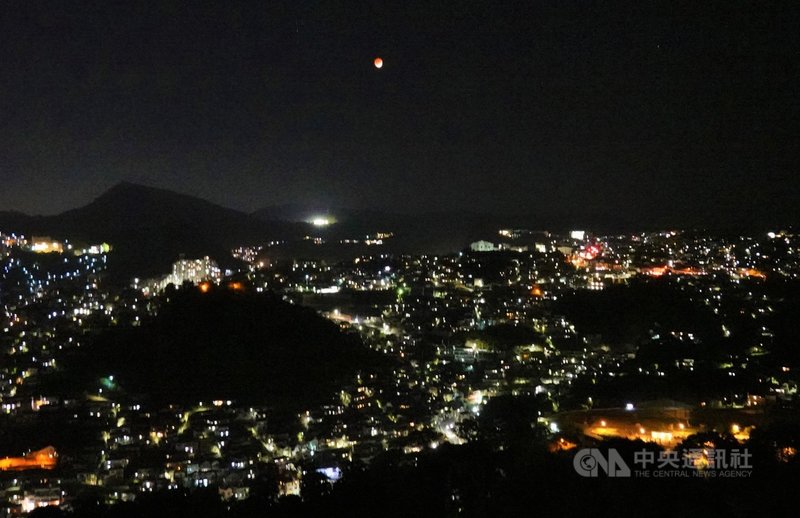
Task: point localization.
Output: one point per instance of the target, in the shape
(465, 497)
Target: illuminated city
(531, 260)
(491, 322)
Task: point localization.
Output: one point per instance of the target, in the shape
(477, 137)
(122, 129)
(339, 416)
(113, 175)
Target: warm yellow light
(43, 459)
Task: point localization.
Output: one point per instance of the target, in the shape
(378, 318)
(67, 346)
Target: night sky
(548, 107)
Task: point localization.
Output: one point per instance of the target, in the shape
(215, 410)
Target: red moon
(378, 62)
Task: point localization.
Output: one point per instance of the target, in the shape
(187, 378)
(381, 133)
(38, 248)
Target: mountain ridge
(150, 228)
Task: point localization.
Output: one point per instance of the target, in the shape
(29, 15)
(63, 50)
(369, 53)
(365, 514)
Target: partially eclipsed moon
(378, 62)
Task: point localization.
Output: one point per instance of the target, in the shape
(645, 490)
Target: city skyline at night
(390, 259)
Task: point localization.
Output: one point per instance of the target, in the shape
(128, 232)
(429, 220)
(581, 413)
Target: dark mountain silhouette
(13, 221)
(149, 228)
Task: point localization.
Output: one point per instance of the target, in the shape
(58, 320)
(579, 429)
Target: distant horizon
(551, 222)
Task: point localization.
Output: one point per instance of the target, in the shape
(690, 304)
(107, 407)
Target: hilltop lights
(322, 221)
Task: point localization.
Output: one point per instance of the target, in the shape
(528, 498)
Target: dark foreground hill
(253, 348)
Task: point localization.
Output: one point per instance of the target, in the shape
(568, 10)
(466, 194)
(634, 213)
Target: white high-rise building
(194, 271)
